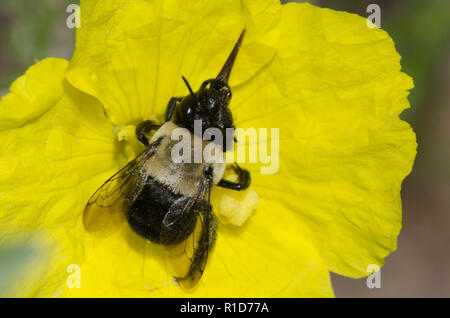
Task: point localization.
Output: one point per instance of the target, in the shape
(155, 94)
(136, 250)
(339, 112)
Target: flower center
(126, 135)
(234, 207)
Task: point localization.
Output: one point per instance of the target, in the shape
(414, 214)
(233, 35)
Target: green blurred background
(35, 29)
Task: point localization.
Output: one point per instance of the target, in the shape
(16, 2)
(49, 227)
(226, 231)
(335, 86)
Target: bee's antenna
(189, 88)
(224, 73)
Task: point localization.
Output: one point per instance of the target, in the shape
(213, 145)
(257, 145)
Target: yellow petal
(34, 95)
(335, 90)
(59, 152)
(131, 54)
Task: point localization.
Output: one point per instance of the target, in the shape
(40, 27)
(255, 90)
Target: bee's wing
(105, 209)
(197, 247)
(190, 256)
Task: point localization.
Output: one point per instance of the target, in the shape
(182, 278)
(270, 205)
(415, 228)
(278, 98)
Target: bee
(168, 202)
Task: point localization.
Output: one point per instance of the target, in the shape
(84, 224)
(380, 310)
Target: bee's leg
(170, 110)
(243, 180)
(145, 128)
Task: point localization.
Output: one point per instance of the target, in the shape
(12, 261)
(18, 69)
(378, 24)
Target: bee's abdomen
(146, 214)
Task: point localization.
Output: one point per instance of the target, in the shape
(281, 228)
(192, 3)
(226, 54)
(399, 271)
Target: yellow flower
(330, 84)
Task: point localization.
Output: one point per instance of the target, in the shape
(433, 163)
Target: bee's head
(213, 99)
(210, 103)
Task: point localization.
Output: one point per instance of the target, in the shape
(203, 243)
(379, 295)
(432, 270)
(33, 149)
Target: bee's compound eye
(225, 92)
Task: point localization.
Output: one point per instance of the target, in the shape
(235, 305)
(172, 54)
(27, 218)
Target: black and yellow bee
(167, 202)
